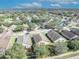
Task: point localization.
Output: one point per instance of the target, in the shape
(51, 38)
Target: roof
(24, 39)
(36, 38)
(69, 35)
(75, 30)
(20, 39)
(39, 37)
(27, 39)
(53, 35)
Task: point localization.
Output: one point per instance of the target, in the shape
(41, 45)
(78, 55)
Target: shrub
(51, 50)
(41, 51)
(73, 45)
(18, 28)
(60, 47)
(17, 52)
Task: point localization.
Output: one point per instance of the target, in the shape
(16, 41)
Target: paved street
(76, 57)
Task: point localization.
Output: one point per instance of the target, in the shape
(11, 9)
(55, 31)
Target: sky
(39, 4)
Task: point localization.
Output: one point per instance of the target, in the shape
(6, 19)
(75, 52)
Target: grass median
(11, 42)
(64, 56)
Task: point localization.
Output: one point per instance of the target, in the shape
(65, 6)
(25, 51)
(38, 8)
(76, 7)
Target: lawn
(11, 42)
(64, 56)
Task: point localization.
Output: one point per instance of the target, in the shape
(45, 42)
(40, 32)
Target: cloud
(29, 5)
(75, 3)
(55, 5)
(61, 1)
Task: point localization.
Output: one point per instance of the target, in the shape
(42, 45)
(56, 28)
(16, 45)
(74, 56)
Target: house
(69, 35)
(39, 38)
(54, 36)
(75, 30)
(25, 40)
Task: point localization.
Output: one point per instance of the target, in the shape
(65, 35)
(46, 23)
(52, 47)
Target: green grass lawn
(64, 56)
(11, 42)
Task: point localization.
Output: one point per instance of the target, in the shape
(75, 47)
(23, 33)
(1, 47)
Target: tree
(51, 50)
(60, 47)
(17, 52)
(73, 44)
(41, 51)
(19, 28)
(7, 24)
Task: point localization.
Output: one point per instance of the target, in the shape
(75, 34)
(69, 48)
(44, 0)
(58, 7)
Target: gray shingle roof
(53, 35)
(75, 30)
(69, 35)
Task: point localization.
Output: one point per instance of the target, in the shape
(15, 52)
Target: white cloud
(75, 3)
(29, 5)
(58, 0)
(61, 1)
(55, 5)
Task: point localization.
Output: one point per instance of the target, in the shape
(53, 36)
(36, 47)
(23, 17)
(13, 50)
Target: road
(76, 57)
